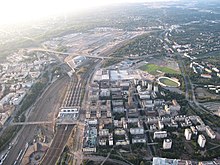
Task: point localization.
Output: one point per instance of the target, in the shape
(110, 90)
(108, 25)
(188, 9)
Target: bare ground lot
(203, 95)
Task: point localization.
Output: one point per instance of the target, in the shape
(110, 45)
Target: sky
(16, 11)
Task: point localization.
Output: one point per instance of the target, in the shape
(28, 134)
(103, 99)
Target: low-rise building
(206, 76)
(122, 141)
(120, 131)
(160, 134)
(138, 139)
(102, 141)
(90, 137)
(201, 127)
(104, 132)
(137, 131)
(69, 113)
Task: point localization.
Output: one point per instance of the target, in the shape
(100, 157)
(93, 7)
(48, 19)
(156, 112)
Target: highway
(43, 110)
(62, 134)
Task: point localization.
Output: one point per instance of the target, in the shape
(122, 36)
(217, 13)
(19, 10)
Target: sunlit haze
(15, 11)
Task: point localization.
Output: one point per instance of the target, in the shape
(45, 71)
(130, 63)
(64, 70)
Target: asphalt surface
(62, 134)
(43, 110)
(101, 159)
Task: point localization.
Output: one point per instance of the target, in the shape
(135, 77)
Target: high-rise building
(201, 141)
(149, 87)
(210, 132)
(167, 144)
(188, 134)
(160, 125)
(156, 88)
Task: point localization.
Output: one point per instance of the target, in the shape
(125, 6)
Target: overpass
(89, 56)
(32, 123)
(76, 122)
(49, 122)
(64, 53)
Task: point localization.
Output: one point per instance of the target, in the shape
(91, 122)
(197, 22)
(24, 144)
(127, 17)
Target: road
(43, 110)
(101, 159)
(107, 156)
(190, 93)
(62, 134)
(189, 88)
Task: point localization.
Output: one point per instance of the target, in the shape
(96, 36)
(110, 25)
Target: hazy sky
(15, 11)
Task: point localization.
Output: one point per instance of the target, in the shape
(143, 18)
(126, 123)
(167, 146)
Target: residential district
(130, 91)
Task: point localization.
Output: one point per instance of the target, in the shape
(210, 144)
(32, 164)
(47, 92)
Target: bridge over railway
(49, 122)
(32, 123)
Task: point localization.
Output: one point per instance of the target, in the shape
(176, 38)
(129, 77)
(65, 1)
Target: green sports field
(168, 82)
(155, 69)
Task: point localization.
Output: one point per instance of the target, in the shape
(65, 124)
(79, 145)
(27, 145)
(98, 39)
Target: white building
(194, 130)
(208, 70)
(6, 99)
(102, 142)
(167, 144)
(144, 95)
(149, 87)
(156, 88)
(79, 59)
(160, 134)
(69, 113)
(206, 76)
(201, 141)
(120, 131)
(215, 69)
(160, 125)
(188, 134)
(104, 132)
(210, 132)
(137, 131)
(200, 127)
(138, 139)
(110, 139)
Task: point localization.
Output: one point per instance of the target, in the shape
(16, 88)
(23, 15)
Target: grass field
(168, 82)
(155, 69)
